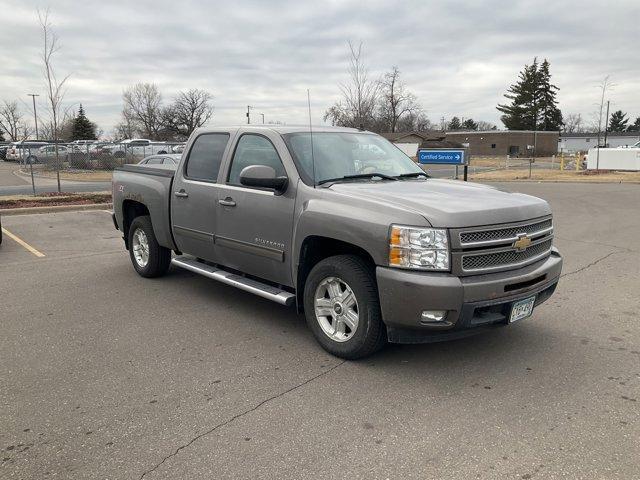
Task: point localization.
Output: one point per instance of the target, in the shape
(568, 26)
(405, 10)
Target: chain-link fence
(86, 156)
(526, 165)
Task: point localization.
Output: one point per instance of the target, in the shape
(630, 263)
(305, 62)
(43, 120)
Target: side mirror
(262, 176)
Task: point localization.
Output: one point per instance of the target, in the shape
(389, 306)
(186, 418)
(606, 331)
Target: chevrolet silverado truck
(345, 226)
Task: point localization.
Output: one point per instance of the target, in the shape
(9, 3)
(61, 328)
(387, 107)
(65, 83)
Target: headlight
(418, 248)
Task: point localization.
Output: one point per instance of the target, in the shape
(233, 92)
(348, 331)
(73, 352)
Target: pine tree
(469, 124)
(618, 121)
(455, 124)
(551, 116)
(83, 128)
(533, 103)
(635, 126)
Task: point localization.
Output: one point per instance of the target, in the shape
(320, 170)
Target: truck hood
(449, 203)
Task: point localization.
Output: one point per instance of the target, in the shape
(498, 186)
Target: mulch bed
(50, 199)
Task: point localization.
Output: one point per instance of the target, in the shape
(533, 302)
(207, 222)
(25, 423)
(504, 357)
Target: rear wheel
(342, 307)
(148, 257)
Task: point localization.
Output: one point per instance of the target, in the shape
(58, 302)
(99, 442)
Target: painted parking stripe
(22, 242)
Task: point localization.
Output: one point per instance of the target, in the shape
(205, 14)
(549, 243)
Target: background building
(582, 142)
(517, 143)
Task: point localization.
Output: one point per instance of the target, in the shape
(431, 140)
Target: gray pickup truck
(345, 226)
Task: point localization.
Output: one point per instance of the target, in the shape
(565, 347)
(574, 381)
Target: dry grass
(557, 176)
(87, 176)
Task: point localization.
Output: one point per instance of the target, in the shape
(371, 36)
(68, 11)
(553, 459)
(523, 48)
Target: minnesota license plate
(522, 309)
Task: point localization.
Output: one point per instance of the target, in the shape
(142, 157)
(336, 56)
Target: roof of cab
(281, 129)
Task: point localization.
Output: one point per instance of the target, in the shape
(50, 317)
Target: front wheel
(148, 257)
(342, 307)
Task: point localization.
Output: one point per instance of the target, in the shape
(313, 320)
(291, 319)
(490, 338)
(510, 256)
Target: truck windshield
(344, 154)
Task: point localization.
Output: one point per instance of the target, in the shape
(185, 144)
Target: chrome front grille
(501, 247)
(507, 258)
(504, 234)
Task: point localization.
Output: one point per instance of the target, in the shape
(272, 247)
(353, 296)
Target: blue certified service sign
(441, 157)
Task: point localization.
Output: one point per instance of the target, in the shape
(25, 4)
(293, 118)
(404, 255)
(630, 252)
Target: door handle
(181, 193)
(227, 202)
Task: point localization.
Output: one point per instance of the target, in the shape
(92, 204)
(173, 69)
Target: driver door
(254, 225)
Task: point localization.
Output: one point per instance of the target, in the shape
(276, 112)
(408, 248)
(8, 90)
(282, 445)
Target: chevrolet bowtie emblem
(522, 242)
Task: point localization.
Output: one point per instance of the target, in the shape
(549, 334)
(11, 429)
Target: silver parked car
(169, 161)
(47, 154)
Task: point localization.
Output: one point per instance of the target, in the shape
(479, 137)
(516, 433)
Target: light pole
(262, 118)
(35, 115)
(249, 107)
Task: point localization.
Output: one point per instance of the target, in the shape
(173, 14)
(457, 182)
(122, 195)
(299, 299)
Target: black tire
(370, 334)
(31, 159)
(159, 257)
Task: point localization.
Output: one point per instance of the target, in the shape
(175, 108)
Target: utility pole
(262, 118)
(606, 126)
(249, 107)
(35, 115)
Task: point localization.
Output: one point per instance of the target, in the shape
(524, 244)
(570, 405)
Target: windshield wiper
(413, 175)
(356, 177)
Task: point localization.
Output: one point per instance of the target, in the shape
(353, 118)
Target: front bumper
(473, 303)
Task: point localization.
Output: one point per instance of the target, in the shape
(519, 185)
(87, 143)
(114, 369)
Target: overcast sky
(457, 57)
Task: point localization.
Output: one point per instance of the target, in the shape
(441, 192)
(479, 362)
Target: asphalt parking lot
(108, 375)
(13, 184)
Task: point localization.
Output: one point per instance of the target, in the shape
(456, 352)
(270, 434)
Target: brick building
(485, 143)
(517, 143)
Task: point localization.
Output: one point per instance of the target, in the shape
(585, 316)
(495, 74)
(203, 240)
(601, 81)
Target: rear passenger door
(254, 225)
(195, 195)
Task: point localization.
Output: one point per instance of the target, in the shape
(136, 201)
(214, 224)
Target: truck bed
(136, 187)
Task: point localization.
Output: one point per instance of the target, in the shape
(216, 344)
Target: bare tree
(11, 119)
(190, 110)
(484, 125)
(359, 95)
(143, 109)
(55, 88)
(395, 100)
(573, 123)
(604, 86)
(415, 121)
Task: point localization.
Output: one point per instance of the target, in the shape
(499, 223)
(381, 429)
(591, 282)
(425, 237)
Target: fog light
(430, 316)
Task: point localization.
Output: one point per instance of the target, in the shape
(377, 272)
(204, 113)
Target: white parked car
(18, 151)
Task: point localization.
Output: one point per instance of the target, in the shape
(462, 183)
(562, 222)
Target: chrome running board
(247, 284)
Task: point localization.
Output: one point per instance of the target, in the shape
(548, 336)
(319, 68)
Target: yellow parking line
(22, 242)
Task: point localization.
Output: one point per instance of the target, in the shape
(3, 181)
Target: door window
(205, 156)
(254, 150)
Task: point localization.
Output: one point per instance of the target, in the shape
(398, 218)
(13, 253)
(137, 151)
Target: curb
(54, 208)
(578, 182)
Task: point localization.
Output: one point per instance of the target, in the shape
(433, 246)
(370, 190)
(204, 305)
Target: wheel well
(130, 210)
(317, 248)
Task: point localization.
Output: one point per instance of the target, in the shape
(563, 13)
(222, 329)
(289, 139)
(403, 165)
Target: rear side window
(205, 156)
(254, 150)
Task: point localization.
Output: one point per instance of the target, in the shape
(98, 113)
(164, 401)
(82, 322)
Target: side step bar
(247, 284)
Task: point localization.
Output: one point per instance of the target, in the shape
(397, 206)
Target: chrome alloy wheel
(336, 309)
(140, 247)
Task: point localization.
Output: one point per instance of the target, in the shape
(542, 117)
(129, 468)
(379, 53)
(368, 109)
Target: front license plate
(522, 309)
